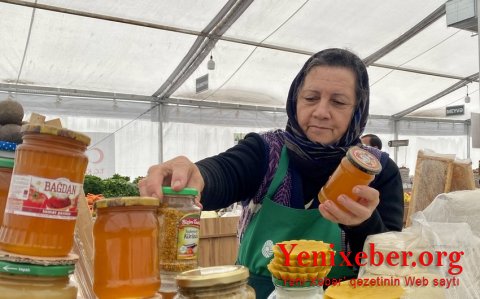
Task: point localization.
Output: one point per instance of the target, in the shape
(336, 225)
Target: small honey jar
(358, 167)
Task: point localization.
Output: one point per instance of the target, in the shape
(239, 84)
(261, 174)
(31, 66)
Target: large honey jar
(358, 167)
(46, 183)
(125, 240)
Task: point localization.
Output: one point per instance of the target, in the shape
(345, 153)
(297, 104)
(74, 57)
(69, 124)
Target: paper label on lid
(366, 159)
(42, 197)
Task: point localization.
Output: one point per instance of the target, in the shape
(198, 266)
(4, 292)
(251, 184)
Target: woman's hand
(177, 173)
(358, 211)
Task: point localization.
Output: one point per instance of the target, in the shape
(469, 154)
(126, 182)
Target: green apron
(275, 223)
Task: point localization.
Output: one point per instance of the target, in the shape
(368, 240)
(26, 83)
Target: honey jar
(358, 167)
(179, 218)
(27, 281)
(46, 182)
(125, 240)
(6, 168)
(226, 282)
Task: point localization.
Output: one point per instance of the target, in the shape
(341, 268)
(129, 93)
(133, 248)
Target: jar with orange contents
(47, 180)
(6, 168)
(125, 240)
(358, 167)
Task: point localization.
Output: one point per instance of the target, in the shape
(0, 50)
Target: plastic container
(301, 291)
(358, 167)
(125, 240)
(6, 168)
(226, 282)
(47, 180)
(26, 281)
(179, 218)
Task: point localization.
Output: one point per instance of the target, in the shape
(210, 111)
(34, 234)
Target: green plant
(92, 184)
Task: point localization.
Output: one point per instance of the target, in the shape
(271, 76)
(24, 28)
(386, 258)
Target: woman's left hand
(357, 211)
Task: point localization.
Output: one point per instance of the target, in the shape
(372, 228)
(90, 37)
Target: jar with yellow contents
(179, 236)
(28, 281)
(358, 167)
(47, 179)
(226, 282)
(125, 239)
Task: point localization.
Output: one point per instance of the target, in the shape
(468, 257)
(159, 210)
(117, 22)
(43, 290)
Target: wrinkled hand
(358, 211)
(177, 173)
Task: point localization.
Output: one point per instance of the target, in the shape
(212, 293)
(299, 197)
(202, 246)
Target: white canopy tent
(129, 68)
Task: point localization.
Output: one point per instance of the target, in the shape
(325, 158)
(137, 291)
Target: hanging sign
(455, 110)
(201, 83)
(397, 143)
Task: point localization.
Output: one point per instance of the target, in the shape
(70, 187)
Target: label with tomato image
(41, 197)
(188, 236)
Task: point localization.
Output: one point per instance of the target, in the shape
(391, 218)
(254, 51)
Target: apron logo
(267, 249)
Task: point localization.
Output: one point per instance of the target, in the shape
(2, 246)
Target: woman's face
(325, 103)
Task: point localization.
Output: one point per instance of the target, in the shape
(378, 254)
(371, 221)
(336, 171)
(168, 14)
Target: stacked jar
(179, 219)
(29, 281)
(46, 183)
(40, 211)
(125, 240)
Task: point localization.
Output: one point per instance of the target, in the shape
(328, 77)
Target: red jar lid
(364, 160)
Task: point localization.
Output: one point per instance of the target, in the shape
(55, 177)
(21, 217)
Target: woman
(277, 175)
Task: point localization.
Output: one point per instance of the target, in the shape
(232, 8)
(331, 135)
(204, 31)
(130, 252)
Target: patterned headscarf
(296, 140)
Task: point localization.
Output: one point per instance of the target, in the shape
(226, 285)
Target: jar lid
(126, 202)
(184, 191)
(364, 160)
(204, 277)
(50, 130)
(36, 270)
(7, 146)
(6, 162)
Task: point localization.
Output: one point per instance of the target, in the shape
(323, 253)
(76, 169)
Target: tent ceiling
(134, 49)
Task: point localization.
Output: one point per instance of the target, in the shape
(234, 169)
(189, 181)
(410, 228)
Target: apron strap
(279, 173)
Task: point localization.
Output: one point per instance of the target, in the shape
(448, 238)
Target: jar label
(188, 236)
(42, 197)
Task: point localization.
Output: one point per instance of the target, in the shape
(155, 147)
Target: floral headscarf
(296, 139)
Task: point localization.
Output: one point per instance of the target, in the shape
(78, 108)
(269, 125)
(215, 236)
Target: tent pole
(160, 132)
(395, 137)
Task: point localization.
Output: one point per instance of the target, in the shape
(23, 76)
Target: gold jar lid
(51, 130)
(210, 276)
(126, 202)
(364, 160)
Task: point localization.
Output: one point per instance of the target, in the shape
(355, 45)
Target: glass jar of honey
(6, 168)
(47, 180)
(226, 282)
(27, 281)
(358, 167)
(125, 240)
(179, 237)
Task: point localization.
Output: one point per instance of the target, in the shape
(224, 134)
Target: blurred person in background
(372, 140)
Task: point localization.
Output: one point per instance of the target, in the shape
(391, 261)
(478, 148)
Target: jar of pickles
(358, 167)
(6, 168)
(226, 282)
(46, 182)
(125, 240)
(27, 281)
(179, 218)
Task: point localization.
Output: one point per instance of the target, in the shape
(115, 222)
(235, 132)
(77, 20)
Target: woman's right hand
(177, 173)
